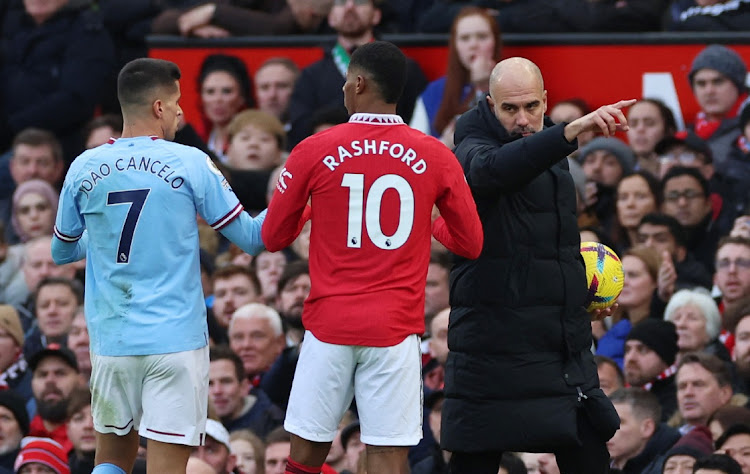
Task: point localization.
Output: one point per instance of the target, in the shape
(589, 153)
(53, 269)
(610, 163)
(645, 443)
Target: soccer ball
(604, 275)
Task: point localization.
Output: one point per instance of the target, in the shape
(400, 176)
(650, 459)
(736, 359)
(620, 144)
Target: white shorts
(162, 396)
(386, 381)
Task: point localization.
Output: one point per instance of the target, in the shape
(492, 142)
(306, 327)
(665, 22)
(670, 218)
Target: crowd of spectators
(674, 357)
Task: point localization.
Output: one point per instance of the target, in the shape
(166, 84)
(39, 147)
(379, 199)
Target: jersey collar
(376, 119)
(113, 140)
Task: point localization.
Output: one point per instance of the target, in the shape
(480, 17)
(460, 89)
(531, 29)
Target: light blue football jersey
(138, 200)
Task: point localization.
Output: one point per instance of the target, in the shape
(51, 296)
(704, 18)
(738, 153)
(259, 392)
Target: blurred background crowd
(672, 200)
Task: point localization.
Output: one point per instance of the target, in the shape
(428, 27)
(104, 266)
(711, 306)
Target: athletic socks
(107, 468)
(296, 468)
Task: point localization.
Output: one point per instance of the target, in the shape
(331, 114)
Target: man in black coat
(520, 375)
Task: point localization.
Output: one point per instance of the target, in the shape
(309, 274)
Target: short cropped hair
(711, 363)
(225, 353)
(601, 360)
(113, 121)
(644, 404)
(674, 226)
(74, 286)
(731, 239)
(678, 171)
(441, 258)
(79, 399)
(718, 462)
(278, 435)
(228, 271)
(733, 430)
(386, 66)
(736, 313)
(332, 115)
(35, 137)
(291, 272)
(140, 78)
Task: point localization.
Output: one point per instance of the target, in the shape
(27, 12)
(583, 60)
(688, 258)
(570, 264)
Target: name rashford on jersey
(372, 184)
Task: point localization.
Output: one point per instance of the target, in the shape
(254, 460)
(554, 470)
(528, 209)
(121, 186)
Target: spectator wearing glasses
(686, 197)
(729, 188)
(687, 149)
(732, 271)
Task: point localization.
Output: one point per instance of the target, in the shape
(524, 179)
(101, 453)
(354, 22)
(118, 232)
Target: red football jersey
(372, 184)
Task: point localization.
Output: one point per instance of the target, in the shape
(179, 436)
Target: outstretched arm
(606, 120)
(288, 210)
(244, 231)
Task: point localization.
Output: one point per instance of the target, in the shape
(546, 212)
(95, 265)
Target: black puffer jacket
(519, 335)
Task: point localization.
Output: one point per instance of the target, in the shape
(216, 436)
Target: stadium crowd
(674, 358)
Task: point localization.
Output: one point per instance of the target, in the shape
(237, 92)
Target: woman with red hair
(474, 49)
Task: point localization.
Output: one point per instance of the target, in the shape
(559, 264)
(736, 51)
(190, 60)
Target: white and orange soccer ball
(604, 275)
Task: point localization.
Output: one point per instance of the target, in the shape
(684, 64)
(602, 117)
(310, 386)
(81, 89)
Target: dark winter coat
(732, 185)
(520, 365)
(721, 141)
(80, 465)
(261, 418)
(664, 437)
(703, 239)
(433, 464)
(7, 460)
(666, 391)
(52, 75)
(692, 273)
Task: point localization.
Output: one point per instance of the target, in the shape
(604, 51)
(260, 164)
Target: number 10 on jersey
(371, 210)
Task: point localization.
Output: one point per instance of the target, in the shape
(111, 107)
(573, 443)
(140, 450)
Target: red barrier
(600, 74)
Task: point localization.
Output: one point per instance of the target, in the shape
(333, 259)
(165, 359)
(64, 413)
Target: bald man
(519, 335)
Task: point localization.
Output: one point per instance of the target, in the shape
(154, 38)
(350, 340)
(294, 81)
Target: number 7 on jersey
(136, 198)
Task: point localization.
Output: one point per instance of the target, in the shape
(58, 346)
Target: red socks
(296, 468)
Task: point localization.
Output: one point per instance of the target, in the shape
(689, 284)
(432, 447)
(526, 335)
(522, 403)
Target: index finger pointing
(625, 103)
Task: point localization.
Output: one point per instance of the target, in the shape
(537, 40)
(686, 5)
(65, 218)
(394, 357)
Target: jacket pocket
(601, 413)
